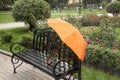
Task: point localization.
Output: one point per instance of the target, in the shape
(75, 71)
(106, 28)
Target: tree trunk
(31, 26)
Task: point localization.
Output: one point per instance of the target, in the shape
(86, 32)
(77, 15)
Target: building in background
(113, 0)
(74, 1)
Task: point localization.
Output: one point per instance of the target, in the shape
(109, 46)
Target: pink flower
(114, 47)
(97, 38)
(88, 40)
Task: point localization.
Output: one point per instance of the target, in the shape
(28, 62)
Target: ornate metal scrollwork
(60, 68)
(16, 47)
(16, 62)
(64, 71)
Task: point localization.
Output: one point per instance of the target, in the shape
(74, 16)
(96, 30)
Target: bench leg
(79, 75)
(16, 63)
(79, 71)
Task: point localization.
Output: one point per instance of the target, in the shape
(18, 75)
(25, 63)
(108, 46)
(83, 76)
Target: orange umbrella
(70, 36)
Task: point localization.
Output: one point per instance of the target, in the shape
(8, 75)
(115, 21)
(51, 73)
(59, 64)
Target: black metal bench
(48, 53)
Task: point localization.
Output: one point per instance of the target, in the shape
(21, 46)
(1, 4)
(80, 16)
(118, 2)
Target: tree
(5, 4)
(57, 3)
(85, 2)
(113, 7)
(91, 1)
(30, 11)
(50, 2)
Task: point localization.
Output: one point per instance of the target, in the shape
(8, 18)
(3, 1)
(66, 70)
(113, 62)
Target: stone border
(5, 53)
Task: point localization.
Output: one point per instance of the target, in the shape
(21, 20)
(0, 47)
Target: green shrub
(74, 20)
(113, 7)
(86, 20)
(118, 44)
(108, 31)
(30, 11)
(90, 20)
(26, 42)
(103, 58)
(6, 38)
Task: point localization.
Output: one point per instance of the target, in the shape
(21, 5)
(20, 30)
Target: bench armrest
(19, 46)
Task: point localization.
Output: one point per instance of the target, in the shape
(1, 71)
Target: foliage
(6, 4)
(6, 38)
(27, 42)
(60, 3)
(113, 7)
(30, 11)
(57, 3)
(90, 20)
(103, 58)
(86, 20)
(108, 31)
(74, 20)
(91, 1)
(105, 35)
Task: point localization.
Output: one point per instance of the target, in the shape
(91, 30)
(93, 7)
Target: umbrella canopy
(70, 36)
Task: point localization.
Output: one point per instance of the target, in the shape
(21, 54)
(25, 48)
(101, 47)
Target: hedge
(113, 7)
(104, 59)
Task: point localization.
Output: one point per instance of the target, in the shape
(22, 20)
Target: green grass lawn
(17, 35)
(63, 13)
(93, 74)
(93, 11)
(6, 16)
(118, 31)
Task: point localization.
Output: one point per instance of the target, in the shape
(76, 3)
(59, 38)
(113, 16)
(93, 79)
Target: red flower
(101, 43)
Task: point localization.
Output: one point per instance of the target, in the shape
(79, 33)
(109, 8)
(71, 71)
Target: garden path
(11, 25)
(25, 72)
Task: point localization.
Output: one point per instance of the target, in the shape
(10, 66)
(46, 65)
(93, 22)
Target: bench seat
(36, 59)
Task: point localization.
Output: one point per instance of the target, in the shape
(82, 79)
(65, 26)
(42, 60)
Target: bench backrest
(48, 43)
